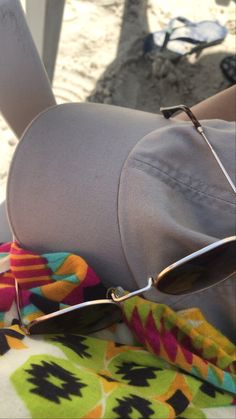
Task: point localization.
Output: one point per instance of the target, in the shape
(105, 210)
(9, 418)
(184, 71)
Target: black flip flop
(183, 37)
(228, 67)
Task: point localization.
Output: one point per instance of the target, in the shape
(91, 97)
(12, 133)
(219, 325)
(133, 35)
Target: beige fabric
(63, 183)
(174, 200)
(128, 191)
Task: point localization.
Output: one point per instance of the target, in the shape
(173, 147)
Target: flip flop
(183, 37)
(228, 67)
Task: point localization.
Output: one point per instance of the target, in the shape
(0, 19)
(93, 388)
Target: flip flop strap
(181, 19)
(189, 40)
(170, 29)
(180, 38)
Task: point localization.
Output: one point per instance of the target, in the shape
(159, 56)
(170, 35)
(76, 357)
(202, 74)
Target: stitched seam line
(180, 182)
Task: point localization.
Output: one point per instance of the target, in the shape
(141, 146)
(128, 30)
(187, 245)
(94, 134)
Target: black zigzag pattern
(127, 405)
(135, 374)
(178, 401)
(75, 343)
(40, 376)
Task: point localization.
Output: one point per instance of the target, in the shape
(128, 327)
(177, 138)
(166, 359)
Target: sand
(100, 58)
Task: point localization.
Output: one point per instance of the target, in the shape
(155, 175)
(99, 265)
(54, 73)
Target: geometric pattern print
(99, 378)
(96, 378)
(171, 337)
(46, 282)
(11, 338)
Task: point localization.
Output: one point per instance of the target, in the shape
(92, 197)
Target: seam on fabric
(124, 164)
(179, 182)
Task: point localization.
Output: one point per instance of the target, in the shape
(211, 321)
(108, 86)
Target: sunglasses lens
(200, 272)
(86, 319)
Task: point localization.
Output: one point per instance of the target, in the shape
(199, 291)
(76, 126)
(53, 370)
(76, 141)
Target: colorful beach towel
(178, 365)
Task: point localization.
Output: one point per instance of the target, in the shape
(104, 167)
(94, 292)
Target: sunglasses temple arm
(200, 130)
(169, 111)
(118, 294)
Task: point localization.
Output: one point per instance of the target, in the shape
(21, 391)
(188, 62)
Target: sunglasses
(198, 271)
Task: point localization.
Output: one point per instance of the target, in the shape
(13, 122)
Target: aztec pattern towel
(177, 366)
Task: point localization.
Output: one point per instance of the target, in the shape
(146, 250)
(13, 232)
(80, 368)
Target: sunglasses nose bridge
(118, 297)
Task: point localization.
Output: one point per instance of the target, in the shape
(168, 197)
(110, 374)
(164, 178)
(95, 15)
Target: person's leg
(220, 106)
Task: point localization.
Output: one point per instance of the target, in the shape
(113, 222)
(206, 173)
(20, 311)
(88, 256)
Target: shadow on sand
(135, 81)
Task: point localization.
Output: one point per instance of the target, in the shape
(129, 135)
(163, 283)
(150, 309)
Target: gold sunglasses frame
(117, 295)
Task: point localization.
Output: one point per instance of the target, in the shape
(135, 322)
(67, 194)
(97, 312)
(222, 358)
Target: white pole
(25, 90)
(44, 18)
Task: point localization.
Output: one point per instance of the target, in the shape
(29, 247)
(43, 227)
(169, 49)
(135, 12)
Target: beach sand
(100, 58)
